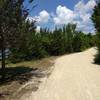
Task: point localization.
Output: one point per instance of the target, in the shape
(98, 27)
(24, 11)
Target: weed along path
(74, 77)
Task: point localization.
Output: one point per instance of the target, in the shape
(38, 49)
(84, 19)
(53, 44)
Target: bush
(96, 21)
(97, 58)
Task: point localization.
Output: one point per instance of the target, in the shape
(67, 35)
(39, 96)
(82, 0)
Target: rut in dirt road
(74, 77)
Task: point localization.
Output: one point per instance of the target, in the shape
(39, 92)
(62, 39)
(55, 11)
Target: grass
(34, 63)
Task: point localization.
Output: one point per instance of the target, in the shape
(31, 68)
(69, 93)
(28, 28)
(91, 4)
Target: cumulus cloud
(63, 15)
(43, 17)
(83, 12)
(80, 15)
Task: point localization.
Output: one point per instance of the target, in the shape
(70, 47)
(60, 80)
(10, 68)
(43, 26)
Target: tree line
(52, 43)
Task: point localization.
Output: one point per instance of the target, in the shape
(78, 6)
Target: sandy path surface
(74, 77)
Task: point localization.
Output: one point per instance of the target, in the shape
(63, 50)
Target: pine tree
(12, 18)
(96, 20)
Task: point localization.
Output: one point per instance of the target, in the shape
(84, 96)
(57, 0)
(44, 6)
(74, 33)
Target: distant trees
(45, 43)
(60, 41)
(68, 40)
(96, 20)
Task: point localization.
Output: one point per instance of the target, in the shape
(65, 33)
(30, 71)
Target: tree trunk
(3, 57)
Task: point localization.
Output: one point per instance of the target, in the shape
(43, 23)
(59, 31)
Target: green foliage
(60, 41)
(97, 59)
(96, 20)
(15, 31)
(69, 32)
(96, 17)
(57, 43)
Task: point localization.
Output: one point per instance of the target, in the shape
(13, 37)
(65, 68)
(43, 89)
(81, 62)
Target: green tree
(69, 33)
(12, 17)
(96, 20)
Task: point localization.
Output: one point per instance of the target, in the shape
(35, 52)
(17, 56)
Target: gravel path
(74, 77)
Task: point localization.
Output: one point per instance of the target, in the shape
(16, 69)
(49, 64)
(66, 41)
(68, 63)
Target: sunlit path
(75, 77)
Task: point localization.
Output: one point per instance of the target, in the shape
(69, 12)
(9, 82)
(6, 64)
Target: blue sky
(51, 13)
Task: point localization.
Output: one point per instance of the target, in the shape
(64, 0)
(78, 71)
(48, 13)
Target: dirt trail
(74, 77)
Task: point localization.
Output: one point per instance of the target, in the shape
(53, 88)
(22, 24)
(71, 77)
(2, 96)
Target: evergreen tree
(96, 20)
(12, 19)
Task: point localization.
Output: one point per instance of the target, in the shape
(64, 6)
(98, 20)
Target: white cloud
(31, 19)
(63, 15)
(81, 7)
(90, 5)
(43, 17)
(80, 15)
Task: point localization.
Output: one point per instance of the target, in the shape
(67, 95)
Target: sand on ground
(74, 77)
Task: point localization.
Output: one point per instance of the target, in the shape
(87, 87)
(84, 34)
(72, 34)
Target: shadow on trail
(20, 74)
